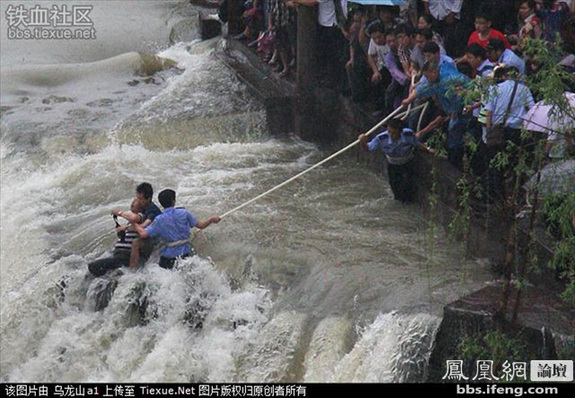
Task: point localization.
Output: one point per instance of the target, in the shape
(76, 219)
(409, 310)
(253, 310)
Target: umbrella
(557, 177)
(379, 2)
(545, 118)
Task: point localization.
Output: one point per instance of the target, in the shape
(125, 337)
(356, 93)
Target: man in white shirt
(447, 16)
(380, 77)
(332, 45)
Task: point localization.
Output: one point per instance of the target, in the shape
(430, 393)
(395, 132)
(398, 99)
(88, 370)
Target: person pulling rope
(393, 114)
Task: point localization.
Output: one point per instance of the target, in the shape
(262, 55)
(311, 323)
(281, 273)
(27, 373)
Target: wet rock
(151, 64)
(5, 110)
(54, 99)
(196, 312)
(104, 102)
(138, 310)
(542, 322)
(183, 31)
(102, 290)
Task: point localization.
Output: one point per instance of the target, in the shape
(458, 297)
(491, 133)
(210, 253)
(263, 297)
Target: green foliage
(551, 80)
(567, 349)
(438, 141)
(495, 346)
(559, 211)
(548, 81)
(461, 222)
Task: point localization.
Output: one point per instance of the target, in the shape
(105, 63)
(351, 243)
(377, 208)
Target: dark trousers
(498, 186)
(379, 91)
(394, 93)
(168, 262)
(331, 56)
(358, 78)
(401, 180)
(103, 265)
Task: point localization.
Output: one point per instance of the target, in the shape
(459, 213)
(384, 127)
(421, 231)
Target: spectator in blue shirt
(499, 54)
(510, 94)
(398, 144)
(173, 228)
(444, 82)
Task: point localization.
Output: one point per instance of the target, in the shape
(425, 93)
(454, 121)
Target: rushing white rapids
(327, 280)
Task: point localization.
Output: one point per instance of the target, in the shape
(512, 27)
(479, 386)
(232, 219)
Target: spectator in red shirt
(484, 31)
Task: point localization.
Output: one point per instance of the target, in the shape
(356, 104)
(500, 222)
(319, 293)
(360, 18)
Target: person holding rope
(126, 237)
(144, 193)
(445, 82)
(173, 227)
(398, 144)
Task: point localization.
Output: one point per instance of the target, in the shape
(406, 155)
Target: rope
(374, 128)
(421, 115)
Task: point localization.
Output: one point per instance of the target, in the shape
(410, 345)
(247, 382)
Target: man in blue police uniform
(398, 144)
(173, 227)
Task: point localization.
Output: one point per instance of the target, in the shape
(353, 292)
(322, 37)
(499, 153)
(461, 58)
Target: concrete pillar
(306, 107)
(235, 22)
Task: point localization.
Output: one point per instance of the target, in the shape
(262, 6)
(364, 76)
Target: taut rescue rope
(374, 128)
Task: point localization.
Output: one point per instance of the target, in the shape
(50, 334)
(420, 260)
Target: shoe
(284, 73)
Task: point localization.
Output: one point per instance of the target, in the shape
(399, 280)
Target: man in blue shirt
(513, 95)
(432, 53)
(444, 82)
(499, 54)
(398, 144)
(500, 97)
(173, 228)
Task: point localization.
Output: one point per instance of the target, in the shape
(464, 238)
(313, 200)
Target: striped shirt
(124, 244)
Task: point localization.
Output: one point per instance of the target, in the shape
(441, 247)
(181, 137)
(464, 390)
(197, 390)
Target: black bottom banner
(278, 390)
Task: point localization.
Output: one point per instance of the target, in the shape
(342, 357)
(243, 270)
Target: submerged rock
(151, 64)
(102, 290)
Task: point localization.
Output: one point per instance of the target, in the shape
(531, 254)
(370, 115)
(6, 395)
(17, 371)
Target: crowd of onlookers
(346, 31)
(428, 50)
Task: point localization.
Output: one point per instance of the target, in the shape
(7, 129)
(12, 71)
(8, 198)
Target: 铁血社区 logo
(50, 22)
